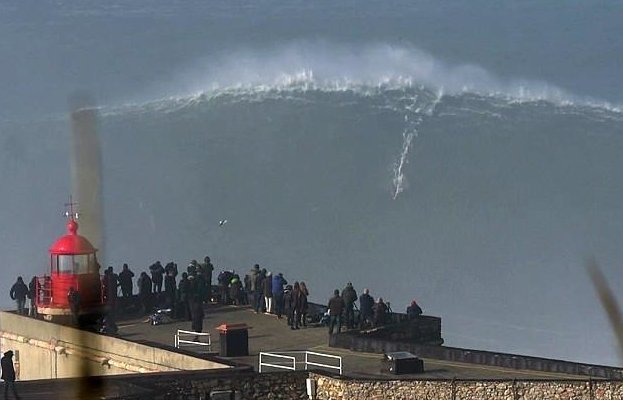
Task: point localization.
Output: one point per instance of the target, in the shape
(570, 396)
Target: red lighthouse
(73, 264)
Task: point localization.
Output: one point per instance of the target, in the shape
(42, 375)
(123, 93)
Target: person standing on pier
(414, 311)
(305, 306)
(32, 296)
(350, 297)
(295, 304)
(299, 302)
(267, 286)
(380, 313)
(110, 282)
(250, 280)
(366, 305)
(208, 268)
(184, 292)
(196, 310)
(73, 298)
(125, 281)
(259, 293)
(144, 291)
(224, 279)
(8, 374)
(336, 307)
(170, 284)
(279, 283)
(18, 292)
(157, 271)
(288, 306)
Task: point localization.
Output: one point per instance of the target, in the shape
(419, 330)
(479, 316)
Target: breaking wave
(367, 69)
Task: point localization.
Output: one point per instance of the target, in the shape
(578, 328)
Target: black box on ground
(234, 340)
(403, 362)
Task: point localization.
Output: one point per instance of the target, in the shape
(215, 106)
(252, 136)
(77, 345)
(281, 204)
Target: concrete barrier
(45, 350)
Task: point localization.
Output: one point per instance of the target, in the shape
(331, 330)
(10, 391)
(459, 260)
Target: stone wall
(335, 388)
(236, 383)
(274, 385)
(243, 383)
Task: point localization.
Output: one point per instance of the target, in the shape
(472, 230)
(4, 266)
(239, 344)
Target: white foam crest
(328, 66)
(288, 88)
(164, 105)
(366, 70)
(295, 88)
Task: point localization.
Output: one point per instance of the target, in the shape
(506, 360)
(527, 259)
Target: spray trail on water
(410, 132)
(399, 177)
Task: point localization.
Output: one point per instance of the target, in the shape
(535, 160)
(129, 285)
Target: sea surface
(464, 154)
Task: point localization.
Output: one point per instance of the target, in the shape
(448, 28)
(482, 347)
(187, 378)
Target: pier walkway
(269, 334)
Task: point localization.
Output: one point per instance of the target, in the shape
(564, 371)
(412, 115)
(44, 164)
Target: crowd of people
(264, 291)
(372, 314)
(271, 294)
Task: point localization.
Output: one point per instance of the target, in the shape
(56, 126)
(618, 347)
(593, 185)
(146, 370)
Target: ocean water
(466, 155)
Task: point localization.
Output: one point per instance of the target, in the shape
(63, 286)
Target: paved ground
(269, 334)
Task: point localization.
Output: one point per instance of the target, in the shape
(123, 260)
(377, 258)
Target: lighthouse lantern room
(73, 264)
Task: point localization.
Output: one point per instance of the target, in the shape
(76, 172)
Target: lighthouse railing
(43, 290)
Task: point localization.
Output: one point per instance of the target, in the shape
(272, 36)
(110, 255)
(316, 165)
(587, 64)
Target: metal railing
(43, 290)
(297, 360)
(182, 338)
(322, 355)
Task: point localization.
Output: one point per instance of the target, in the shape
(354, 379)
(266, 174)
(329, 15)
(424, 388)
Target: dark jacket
(73, 297)
(224, 278)
(196, 311)
(125, 279)
(183, 289)
(253, 274)
(157, 270)
(414, 311)
(8, 372)
(110, 284)
(366, 302)
(296, 300)
(259, 282)
(336, 305)
(32, 288)
(302, 304)
(207, 271)
(288, 301)
(235, 288)
(380, 313)
(171, 269)
(349, 295)
(19, 290)
(144, 285)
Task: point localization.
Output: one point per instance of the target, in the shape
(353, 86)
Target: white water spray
(399, 181)
(410, 132)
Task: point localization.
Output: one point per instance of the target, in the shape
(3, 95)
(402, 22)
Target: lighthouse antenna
(71, 214)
